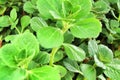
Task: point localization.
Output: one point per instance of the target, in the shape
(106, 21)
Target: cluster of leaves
(59, 39)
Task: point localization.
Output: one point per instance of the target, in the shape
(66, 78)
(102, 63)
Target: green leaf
(8, 53)
(58, 56)
(4, 21)
(101, 77)
(87, 28)
(113, 1)
(89, 71)
(84, 9)
(80, 77)
(68, 76)
(10, 38)
(28, 42)
(114, 24)
(2, 10)
(36, 23)
(101, 7)
(7, 73)
(92, 47)
(68, 37)
(105, 54)
(13, 24)
(50, 37)
(45, 6)
(13, 14)
(43, 58)
(29, 7)
(74, 52)
(113, 71)
(3, 1)
(25, 20)
(44, 73)
(72, 65)
(62, 70)
(117, 54)
(99, 63)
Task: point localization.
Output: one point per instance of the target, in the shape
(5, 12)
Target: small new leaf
(13, 14)
(25, 20)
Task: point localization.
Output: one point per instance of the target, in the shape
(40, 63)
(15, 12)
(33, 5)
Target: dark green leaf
(80, 77)
(68, 37)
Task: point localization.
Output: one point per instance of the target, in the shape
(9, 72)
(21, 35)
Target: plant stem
(17, 30)
(66, 27)
(54, 50)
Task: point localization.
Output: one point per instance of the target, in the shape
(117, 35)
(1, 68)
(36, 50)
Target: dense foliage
(59, 39)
